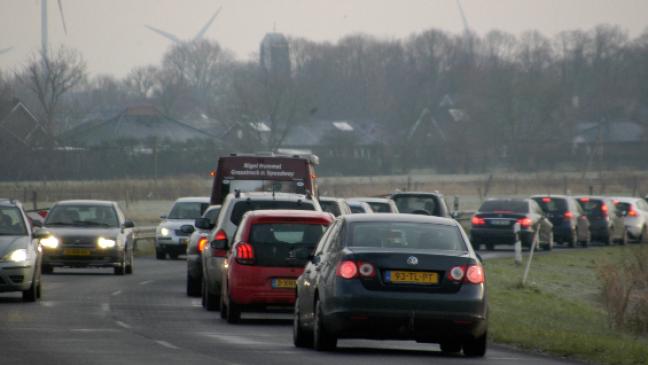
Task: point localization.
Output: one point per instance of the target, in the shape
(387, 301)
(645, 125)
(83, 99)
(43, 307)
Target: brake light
(212, 173)
(347, 270)
(42, 213)
(546, 200)
(569, 215)
(244, 253)
(202, 242)
(477, 221)
(457, 273)
(632, 213)
(366, 269)
(525, 222)
(220, 236)
(475, 274)
(584, 200)
(604, 209)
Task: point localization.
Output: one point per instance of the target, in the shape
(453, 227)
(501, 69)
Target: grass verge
(559, 311)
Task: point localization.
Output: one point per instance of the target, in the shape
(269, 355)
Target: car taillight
(584, 200)
(569, 215)
(244, 253)
(220, 236)
(477, 221)
(366, 269)
(202, 242)
(347, 270)
(632, 213)
(604, 209)
(475, 274)
(525, 222)
(546, 200)
(457, 273)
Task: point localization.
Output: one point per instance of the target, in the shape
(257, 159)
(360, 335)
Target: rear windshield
(624, 208)
(357, 208)
(282, 244)
(187, 210)
(380, 207)
(556, 205)
(513, 206)
(405, 235)
(242, 207)
(11, 222)
(331, 207)
(417, 203)
(592, 207)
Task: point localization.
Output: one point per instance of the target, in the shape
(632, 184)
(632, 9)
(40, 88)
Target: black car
(197, 242)
(421, 203)
(570, 223)
(606, 222)
(505, 221)
(393, 276)
(87, 233)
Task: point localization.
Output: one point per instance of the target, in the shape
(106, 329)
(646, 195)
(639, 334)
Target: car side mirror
(218, 245)
(203, 223)
(41, 233)
(187, 229)
(128, 224)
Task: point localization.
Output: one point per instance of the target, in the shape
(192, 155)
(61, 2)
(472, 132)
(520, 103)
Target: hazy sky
(112, 37)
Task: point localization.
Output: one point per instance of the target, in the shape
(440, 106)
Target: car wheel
(450, 347)
(121, 269)
(475, 347)
(129, 265)
(301, 338)
(233, 312)
(159, 254)
(46, 269)
(31, 294)
(211, 302)
(644, 235)
(39, 289)
(573, 239)
(322, 340)
(223, 309)
(194, 286)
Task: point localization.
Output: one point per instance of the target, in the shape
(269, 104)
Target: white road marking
(116, 292)
(47, 303)
(105, 307)
(122, 324)
(92, 330)
(196, 303)
(167, 345)
(235, 340)
(146, 282)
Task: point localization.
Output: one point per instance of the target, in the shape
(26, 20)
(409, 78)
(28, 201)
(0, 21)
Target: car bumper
(15, 277)
(262, 296)
(498, 236)
(634, 226)
(96, 258)
(178, 247)
(562, 232)
(425, 317)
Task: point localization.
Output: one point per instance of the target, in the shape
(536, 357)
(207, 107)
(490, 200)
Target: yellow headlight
(105, 243)
(50, 242)
(18, 255)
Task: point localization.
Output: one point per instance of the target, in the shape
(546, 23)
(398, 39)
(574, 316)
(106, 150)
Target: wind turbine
(463, 17)
(44, 31)
(199, 35)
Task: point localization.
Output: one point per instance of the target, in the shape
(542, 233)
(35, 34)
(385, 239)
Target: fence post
(535, 242)
(34, 200)
(518, 244)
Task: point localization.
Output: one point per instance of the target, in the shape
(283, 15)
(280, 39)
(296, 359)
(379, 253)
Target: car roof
(257, 195)
(399, 217)
(10, 202)
(288, 213)
(329, 199)
(193, 199)
(437, 194)
(625, 199)
(85, 202)
(371, 200)
(558, 196)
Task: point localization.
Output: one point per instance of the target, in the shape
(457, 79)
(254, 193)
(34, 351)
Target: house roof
(315, 133)
(21, 125)
(622, 131)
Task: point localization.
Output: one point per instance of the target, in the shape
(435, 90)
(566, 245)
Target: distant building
(275, 56)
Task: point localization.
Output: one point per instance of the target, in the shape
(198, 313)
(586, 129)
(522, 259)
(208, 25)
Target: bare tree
(50, 78)
(142, 82)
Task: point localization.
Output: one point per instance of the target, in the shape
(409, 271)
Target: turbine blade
(463, 17)
(164, 34)
(5, 50)
(60, 6)
(209, 23)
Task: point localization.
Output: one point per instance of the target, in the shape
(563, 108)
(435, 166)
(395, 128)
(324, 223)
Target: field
(560, 311)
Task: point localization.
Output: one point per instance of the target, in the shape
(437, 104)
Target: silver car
(379, 205)
(635, 216)
(197, 242)
(20, 253)
(169, 238)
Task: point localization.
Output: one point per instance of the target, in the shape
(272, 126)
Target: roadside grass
(560, 311)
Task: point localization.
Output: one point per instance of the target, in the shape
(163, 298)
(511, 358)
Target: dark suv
(606, 222)
(570, 223)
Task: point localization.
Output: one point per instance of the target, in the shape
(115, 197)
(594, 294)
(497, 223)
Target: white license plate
(500, 223)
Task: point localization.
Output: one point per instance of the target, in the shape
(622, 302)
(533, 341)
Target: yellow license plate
(284, 283)
(412, 277)
(76, 252)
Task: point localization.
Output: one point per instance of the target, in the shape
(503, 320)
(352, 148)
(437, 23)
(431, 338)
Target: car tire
(476, 347)
(232, 312)
(159, 254)
(46, 269)
(211, 302)
(643, 238)
(194, 287)
(450, 347)
(129, 265)
(573, 239)
(322, 340)
(223, 309)
(301, 337)
(31, 294)
(121, 269)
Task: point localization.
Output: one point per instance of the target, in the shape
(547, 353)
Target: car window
(552, 205)
(284, 244)
(326, 239)
(187, 210)
(512, 206)
(245, 206)
(379, 207)
(413, 203)
(11, 222)
(406, 235)
(330, 207)
(82, 215)
(212, 214)
(357, 208)
(593, 207)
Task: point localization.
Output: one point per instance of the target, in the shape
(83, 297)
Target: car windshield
(406, 235)
(380, 207)
(187, 210)
(11, 222)
(82, 215)
(281, 244)
(417, 204)
(552, 205)
(331, 207)
(245, 206)
(508, 206)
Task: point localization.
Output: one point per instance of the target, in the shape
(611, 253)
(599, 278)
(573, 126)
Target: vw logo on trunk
(412, 260)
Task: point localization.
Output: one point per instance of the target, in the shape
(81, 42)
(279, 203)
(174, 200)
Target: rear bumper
(262, 296)
(498, 236)
(172, 248)
(562, 232)
(425, 317)
(15, 278)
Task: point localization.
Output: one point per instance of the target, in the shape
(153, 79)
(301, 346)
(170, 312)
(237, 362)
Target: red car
(270, 250)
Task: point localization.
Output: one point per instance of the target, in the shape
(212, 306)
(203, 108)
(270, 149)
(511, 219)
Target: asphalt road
(93, 317)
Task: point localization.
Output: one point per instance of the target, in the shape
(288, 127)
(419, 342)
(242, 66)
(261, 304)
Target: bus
(270, 173)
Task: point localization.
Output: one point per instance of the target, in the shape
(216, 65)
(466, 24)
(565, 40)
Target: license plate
(412, 277)
(500, 223)
(76, 252)
(284, 283)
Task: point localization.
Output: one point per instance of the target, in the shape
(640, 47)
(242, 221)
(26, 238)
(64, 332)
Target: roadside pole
(531, 249)
(518, 244)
